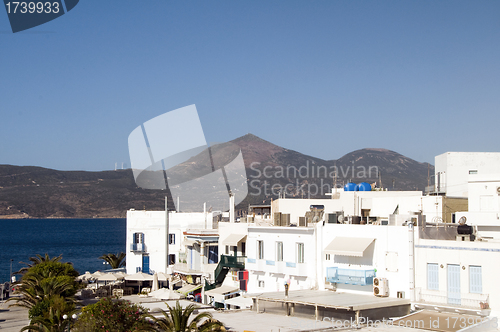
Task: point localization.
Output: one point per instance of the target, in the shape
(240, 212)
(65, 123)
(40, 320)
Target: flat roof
(330, 299)
(441, 321)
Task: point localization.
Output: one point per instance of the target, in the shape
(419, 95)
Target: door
(145, 263)
(454, 284)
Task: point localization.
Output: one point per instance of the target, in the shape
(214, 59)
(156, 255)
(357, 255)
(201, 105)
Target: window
(261, 283)
(473, 171)
(327, 257)
(300, 253)
(260, 249)
(279, 251)
(227, 250)
(171, 238)
(138, 237)
(433, 276)
(475, 279)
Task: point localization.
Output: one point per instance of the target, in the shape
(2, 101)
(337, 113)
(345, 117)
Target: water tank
(464, 229)
(350, 187)
(364, 186)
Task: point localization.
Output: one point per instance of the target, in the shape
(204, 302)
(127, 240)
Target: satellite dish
(340, 219)
(437, 220)
(462, 220)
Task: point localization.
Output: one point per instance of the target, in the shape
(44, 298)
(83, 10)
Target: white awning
(348, 246)
(188, 289)
(189, 242)
(240, 301)
(233, 239)
(220, 293)
(222, 290)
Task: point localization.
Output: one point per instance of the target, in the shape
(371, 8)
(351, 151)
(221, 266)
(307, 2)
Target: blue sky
(320, 77)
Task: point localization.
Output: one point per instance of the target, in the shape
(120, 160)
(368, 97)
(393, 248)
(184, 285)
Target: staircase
(225, 264)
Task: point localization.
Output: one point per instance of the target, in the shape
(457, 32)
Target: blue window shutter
(432, 276)
(475, 279)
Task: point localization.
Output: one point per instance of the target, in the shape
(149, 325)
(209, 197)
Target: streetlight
(10, 280)
(67, 317)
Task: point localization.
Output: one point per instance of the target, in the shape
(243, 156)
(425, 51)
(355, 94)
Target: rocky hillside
(38, 192)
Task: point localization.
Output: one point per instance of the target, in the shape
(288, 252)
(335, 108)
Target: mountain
(27, 191)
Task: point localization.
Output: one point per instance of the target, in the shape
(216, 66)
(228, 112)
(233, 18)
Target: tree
(112, 315)
(178, 320)
(47, 284)
(115, 261)
(37, 260)
(52, 322)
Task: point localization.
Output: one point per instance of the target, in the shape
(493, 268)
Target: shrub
(112, 315)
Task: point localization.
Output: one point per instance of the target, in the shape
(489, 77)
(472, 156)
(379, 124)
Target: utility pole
(167, 226)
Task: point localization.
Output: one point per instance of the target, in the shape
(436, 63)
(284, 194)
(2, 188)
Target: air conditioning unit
(380, 287)
(302, 221)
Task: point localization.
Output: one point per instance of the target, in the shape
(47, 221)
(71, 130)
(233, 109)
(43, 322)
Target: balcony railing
(467, 300)
(139, 247)
(350, 276)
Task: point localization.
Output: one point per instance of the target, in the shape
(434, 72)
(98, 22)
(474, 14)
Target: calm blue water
(80, 241)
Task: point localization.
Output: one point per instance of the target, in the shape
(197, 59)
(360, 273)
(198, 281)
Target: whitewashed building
(452, 170)
(147, 240)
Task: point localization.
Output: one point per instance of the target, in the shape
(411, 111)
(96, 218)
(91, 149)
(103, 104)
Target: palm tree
(53, 322)
(47, 284)
(177, 320)
(115, 261)
(37, 260)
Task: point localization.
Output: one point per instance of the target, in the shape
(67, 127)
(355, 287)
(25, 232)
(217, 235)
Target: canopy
(348, 246)
(165, 294)
(219, 293)
(188, 289)
(233, 239)
(85, 276)
(240, 301)
(109, 277)
(163, 276)
(140, 276)
(222, 290)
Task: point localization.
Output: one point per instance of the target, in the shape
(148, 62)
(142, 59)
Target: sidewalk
(12, 319)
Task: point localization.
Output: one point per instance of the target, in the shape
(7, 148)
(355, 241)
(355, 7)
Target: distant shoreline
(16, 217)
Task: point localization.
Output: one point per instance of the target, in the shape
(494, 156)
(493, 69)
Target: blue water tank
(364, 186)
(350, 187)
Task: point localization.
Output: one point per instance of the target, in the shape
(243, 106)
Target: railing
(226, 262)
(350, 276)
(434, 189)
(467, 300)
(137, 247)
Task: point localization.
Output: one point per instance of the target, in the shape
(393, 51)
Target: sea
(79, 241)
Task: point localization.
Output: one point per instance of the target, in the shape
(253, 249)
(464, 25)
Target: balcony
(435, 190)
(440, 298)
(350, 276)
(296, 269)
(137, 247)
